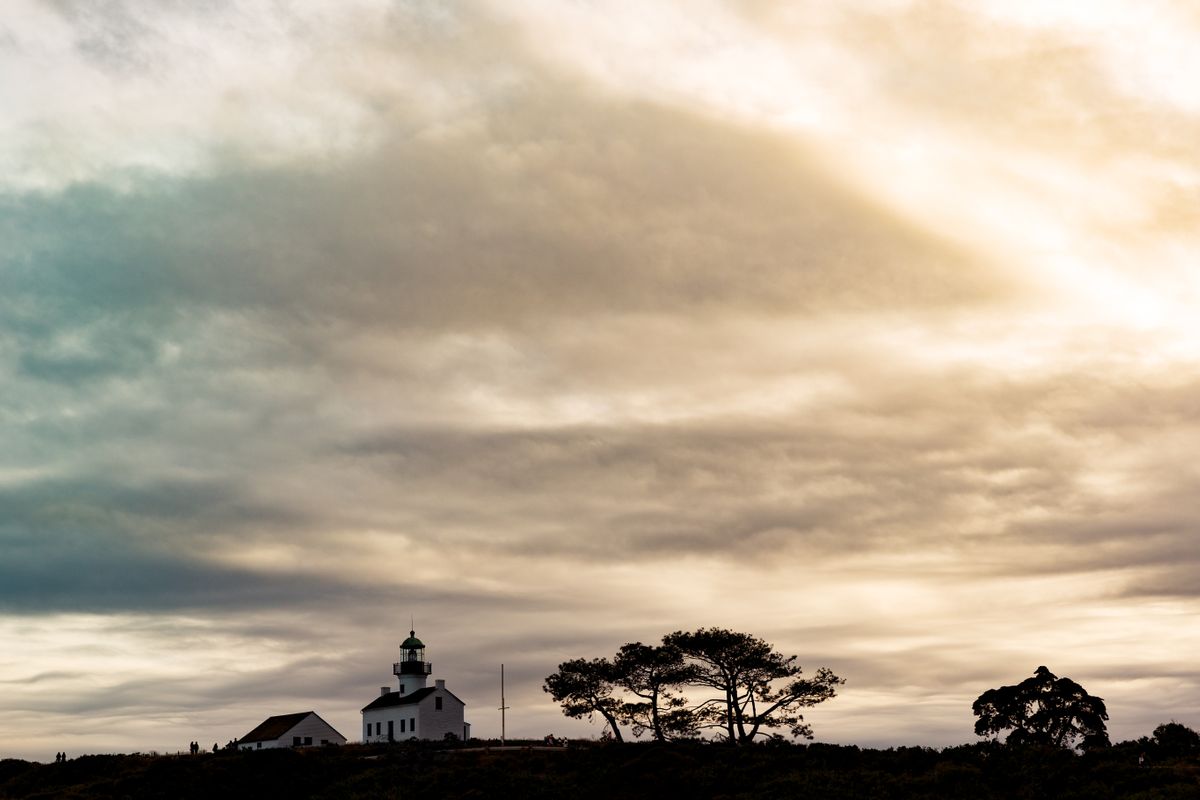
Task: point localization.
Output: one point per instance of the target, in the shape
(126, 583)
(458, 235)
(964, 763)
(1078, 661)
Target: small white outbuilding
(416, 711)
(305, 729)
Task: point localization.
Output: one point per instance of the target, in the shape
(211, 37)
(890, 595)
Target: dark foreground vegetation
(643, 770)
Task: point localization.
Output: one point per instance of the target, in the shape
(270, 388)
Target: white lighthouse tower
(416, 711)
(412, 669)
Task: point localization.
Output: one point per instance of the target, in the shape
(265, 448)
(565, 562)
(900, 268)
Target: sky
(865, 327)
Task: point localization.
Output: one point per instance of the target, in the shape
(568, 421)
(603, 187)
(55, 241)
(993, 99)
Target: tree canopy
(756, 690)
(1174, 739)
(653, 675)
(746, 672)
(585, 688)
(1043, 709)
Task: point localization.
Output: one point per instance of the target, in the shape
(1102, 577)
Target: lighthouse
(412, 669)
(416, 711)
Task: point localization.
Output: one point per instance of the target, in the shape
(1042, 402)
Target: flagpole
(503, 707)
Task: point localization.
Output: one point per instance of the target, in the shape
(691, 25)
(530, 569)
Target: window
(308, 740)
(412, 724)
(437, 703)
(295, 741)
(378, 727)
(402, 726)
(258, 745)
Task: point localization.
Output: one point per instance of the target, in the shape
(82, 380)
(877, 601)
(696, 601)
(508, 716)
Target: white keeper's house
(415, 711)
(305, 729)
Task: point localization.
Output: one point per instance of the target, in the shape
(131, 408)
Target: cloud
(344, 317)
(605, 205)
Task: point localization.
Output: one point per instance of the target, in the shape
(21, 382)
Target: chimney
(441, 684)
(384, 690)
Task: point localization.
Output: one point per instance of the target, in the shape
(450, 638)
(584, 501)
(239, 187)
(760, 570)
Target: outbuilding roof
(275, 727)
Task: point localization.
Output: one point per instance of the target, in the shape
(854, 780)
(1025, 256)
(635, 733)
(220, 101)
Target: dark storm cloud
(52, 571)
(1011, 492)
(603, 205)
(749, 488)
(98, 575)
(305, 676)
(99, 500)
(99, 547)
(198, 325)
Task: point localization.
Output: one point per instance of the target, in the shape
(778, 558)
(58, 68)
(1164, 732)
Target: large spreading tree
(585, 688)
(1043, 709)
(757, 689)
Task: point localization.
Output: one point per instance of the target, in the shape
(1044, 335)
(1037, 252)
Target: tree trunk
(740, 715)
(655, 723)
(612, 724)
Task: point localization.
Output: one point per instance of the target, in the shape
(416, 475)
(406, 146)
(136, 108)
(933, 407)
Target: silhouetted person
(214, 747)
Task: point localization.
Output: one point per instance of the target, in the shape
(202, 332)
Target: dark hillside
(827, 772)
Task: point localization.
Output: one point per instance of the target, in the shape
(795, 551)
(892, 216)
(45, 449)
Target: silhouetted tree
(585, 688)
(1044, 709)
(1174, 739)
(655, 675)
(746, 670)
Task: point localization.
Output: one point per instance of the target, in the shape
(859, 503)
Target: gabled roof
(392, 699)
(396, 699)
(276, 727)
